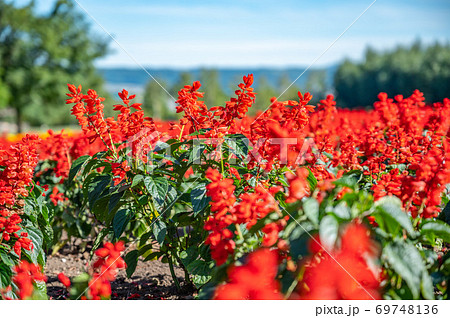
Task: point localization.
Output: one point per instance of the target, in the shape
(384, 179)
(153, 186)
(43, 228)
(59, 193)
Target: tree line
(397, 71)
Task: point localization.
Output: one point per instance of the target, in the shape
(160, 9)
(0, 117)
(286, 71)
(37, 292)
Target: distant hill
(135, 79)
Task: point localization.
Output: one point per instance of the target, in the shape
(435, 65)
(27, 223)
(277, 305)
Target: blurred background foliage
(399, 71)
(41, 53)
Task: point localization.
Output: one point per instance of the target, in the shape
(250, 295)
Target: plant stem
(172, 272)
(181, 133)
(238, 229)
(186, 273)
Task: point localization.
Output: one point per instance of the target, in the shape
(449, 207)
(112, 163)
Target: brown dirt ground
(151, 280)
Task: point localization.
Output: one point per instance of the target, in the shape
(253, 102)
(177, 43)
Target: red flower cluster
(56, 148)
(343, 273)
(218, 121)
(298, 185)
(195, 110)
(250, 208)
(255, 280)
(9, 226)
(19, 162)
(88, 110)
(56, 196)
(105, 269)
(222, 196)
(25, 277)
(238, 107)
(402, 132)
(273, 131)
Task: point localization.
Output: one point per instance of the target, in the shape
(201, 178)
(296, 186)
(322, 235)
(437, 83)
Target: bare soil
(151, 280)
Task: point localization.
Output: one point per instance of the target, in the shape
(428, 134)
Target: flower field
(300, 202)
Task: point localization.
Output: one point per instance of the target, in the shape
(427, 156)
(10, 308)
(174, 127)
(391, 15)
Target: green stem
(221, 161)
(186, 273)
(238, 229)
(172, 272)
(181, 133)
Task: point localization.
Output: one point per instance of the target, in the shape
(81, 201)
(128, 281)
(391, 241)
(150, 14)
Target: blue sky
(280, 33)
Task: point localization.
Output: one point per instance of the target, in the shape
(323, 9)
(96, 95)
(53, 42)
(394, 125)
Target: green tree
(264, 92)
(40, 53)
(316, 85)
(156, 101)
(290, 91)
(185, 78)
(399, 71)
(214, 94)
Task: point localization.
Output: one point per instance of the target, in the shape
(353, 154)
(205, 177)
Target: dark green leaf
(120, 221)
(96, 187)
(238, 145)
(159, 230)
(201, 271)
(132, 260)
(5, 276)
(349, 180)
(158, 188)
(199, 199)
(76, 166)
(195, 153)
(312, 181)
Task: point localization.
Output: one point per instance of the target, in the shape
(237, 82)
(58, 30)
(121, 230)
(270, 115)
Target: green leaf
(195, 153)
(144, 238)
(158, 188)
(114, 201)
(426, 286)
(121, 219)
(76, 166)
(311, 208)
(390, 216)
(40, 292)
(199, 199)
(200, 132)
(99, 239)
(5, 276)
(342, 211)
(299, 238)
(159, 230)
(406, 261)
(35, 235)
(312, 181)
(201, 270)
(349, 180)
(145, 250)
(436, 229)
(328, 231)
(132, 260)
(189, 255)
(96, 187)
(238, 144)
(136, 180)
(152, 256)
(100, 209)
(6, 259)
